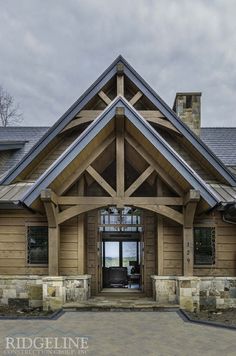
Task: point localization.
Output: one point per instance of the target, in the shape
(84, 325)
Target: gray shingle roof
(222, 141)
(30, 135)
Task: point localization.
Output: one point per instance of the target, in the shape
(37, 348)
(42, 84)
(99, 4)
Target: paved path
(126, 333)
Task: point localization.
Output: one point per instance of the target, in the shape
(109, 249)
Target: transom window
(204, 246)
(37, 239)
(126, 219)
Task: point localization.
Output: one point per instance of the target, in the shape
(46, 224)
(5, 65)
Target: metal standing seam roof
(151, 95)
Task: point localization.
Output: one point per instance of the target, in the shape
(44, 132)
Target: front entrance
(123, 241)
(121, 261)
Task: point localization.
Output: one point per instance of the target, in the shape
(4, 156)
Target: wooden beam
(83, 166)
(163, 123)
(89, 114)
(165, 211)
(101, 181)
(49, 199)
(48, 195)
(120, 84)
(74, 211)
(104, 97)
(134, 186)
(120, 152)
(192, 196)
(75, 200)
(160, 171)
(153, 116)
(136, 98)
(53, 250)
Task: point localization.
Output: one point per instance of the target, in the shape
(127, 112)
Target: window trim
(209, 266)
(27, 225)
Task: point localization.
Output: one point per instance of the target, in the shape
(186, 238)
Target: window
(113, 219)
(37, 239)
(204, 246)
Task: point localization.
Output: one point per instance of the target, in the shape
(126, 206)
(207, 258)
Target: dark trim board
(151, 95)
(145, 128)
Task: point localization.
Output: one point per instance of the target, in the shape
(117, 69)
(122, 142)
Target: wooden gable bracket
(154, 116)
(140, 180)
(84, 165)
(160, 171)
(191, 200)
(104, 97)
(136, 98)
(101, 181)
(49, 200)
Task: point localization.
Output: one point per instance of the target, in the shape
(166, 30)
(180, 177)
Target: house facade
(121, 190)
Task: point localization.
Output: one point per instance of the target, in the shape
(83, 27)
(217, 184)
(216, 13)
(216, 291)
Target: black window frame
(200, 246)
(29, 228)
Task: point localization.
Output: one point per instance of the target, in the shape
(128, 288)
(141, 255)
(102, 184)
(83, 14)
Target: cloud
(51, 51)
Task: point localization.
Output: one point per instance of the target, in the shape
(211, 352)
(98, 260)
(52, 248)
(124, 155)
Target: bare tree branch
(9, 111)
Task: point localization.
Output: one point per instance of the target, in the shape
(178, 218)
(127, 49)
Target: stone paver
(126, 334)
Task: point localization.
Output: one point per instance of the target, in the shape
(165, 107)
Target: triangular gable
(145, 128)
(149, 93)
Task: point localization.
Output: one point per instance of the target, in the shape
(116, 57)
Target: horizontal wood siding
(68, 263)
(225, 247)
(172, 248)
(13, 246)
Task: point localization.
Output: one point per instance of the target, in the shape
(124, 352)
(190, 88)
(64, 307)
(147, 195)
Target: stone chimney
(188, 107)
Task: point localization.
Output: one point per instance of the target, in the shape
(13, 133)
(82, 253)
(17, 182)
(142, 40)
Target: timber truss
(60, 206)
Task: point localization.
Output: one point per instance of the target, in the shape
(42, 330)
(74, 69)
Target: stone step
(118, 305)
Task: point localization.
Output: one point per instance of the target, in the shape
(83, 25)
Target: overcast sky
(52, 50)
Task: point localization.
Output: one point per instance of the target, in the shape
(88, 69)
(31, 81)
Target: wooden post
(53, 250)
(160, 246)
(120, 153)
(120, 79)
(49, 199)
(81, 237)
(191, 200)
(160, 235)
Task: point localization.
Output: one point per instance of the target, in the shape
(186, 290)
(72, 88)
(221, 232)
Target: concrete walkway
(124, 333)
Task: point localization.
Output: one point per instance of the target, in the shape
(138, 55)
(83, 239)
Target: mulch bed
(6, 311)
(226, 317)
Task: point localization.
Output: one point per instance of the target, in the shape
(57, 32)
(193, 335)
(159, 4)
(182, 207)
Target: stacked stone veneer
(21, 290)
(194, 293)
(49, 292)
(59, 290)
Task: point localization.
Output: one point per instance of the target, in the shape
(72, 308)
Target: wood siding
(225, 247)
(13, 246)
(172, 248)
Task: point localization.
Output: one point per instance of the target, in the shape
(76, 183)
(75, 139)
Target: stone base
(49, 292)
(194, 293)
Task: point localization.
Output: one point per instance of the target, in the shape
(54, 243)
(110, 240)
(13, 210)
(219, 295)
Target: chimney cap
(186, 93)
